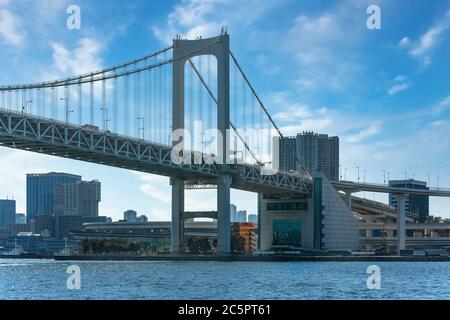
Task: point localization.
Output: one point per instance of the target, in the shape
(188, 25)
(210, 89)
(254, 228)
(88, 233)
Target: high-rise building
(241, 216)
(233, 211)
(21, 218)
(315, 152)
(130, 216)
(40, 192)
(253, 218)
(416, 204)
(7, 213)
(78, 198)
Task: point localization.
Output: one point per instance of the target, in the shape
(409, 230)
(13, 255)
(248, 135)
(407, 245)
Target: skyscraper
(40, 191)
(315, 152)
(78, 198)
(233, 211)
(7, 213)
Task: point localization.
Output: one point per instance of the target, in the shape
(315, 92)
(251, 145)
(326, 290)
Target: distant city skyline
(390, 105)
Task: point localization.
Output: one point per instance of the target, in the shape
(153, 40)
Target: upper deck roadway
(47, 136)
(381, 188)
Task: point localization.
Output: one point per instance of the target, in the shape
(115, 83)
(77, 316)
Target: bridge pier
(177, 234)
(223, 216)
(401, 224)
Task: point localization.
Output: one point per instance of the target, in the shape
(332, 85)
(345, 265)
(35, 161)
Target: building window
(286, 233)
(287, 206)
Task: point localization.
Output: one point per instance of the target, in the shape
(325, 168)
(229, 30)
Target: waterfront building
(16, 228)
(233, 211)
(320, 221)
(418, 205)
(40, 192)
(79, 198)
(317, 153)
(7, 213)
(39, 245)
(243, 237)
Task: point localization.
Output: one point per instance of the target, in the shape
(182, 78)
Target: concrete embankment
(252, 258)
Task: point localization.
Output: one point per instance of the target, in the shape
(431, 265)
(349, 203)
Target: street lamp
(142, 128)
(24, 106)
(340, 171)
(406, 175)
(345, 174)
(428, 175)
(358, 174)
(437, 185)
(364, 176)
(384, 176)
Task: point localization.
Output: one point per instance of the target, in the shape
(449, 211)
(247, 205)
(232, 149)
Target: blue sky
(316, 65)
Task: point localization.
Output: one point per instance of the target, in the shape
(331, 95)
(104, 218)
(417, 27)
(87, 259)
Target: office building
(21, 218)
(40, 192)
(253, 218)
(418, 205)
(79, 198)
(7, 213)
(233, 211)
(315, 152)
(130, 216)
(241, 216)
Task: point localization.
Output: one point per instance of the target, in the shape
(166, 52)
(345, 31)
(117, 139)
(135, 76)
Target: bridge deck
(47, 136)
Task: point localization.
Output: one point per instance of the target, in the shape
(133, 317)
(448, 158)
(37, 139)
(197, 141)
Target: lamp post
(384, 177)
(141, 128)
(429, 182)
(345, 174)
(437, 185)
(358, 174)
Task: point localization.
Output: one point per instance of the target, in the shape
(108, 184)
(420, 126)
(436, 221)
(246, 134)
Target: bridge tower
(183, 50)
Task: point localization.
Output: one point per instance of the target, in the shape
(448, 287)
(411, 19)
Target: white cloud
(372, 130)
(400, 78)
(441, 106)
(405, 42)
(396, 88)
(422, 48)
(83, 59)
(11, 28)
(193, 18)
(155, 186)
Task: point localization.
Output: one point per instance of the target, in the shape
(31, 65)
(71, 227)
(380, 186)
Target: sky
(384, 92)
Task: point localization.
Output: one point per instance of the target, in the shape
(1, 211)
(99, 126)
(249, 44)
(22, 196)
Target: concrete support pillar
(223, 214)
(401, 218)
(177, 234)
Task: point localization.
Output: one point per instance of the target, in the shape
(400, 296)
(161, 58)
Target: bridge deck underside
(49, 137)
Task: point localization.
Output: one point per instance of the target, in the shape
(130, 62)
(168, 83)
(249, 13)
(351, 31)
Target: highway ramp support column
(401, 224)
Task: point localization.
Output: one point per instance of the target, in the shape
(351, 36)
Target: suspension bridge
(126, 116)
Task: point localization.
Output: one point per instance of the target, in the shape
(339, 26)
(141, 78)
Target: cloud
(155, 186)
(396, 88)
(324, 48)
(423, 47)
(372, 130)
(83, 59)
(194, 18)
(441, 106)
(405, 42)
(11, 28)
